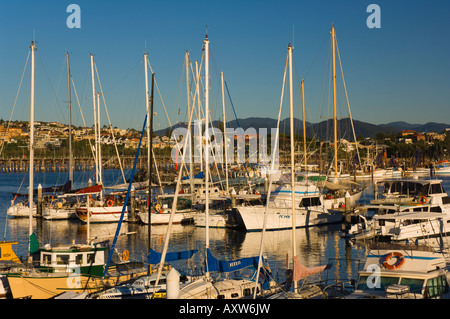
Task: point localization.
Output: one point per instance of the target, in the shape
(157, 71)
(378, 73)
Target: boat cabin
(71, 258)
(412, 190)
(398, 271)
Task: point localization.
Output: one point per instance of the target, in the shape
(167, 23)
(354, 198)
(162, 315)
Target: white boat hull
(59, 213)
(164, 217)
(281, 218)
(102, 214)
(20, 210)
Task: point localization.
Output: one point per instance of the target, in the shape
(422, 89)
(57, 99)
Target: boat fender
(125, 255)
(400, 260)
(109, 203)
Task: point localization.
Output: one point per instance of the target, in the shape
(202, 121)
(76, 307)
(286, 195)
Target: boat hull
(163, 218)
(51, 285)
(281, 218)
(101, 214)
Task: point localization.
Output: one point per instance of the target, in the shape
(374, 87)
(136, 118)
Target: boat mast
(188, 96)
(31, 169)
(291, 110)
(333, 40)
(97, 179)
(149, 107)
(224, 133)
(304, 125)
(206, 46)
(70, 124)
(199, 114)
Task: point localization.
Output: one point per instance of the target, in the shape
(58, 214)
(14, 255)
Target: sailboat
(339, 194)
(304, 195)
(104, 208)
(205, 287)
(74, 267)
(65, 204)
(160, 211)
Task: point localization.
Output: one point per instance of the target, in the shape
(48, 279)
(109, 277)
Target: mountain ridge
(324, 129)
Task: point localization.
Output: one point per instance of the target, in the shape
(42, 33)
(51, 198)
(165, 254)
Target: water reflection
(315, 246)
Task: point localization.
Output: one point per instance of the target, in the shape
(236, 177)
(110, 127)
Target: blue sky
(399, 72)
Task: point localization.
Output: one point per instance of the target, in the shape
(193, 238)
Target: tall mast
(304, 125)
(99, 147)
(224, 133)
(149, 137)
(149, 108)
(206, 46)
(31, 169)
(333, 40)
(199, 114)
(70, 123)
(94, 99)
(291, 110)
(188, 96)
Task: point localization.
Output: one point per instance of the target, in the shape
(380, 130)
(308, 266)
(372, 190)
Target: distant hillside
(324, 129)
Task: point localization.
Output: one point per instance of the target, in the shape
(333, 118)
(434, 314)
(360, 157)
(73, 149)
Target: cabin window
(90, 258)
(436, 209)
(415, 285)
(62, 259)
(221, 297)
(234, 295)
(46, 259)
(79, 259)
(310, 201)
(436, 287)
(436, 189)
(384, 282)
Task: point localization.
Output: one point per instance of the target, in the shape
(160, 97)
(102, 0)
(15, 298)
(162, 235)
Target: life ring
(397, 264)
(423, 200)
(158, 207)
(109, 203)
(125, 255)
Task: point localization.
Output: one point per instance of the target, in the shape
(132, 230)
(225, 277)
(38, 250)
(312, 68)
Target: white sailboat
(304, 196)
(53, 270)
(107, 209)
(206, 287)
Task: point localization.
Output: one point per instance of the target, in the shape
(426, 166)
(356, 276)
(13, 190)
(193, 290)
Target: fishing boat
(74, 267)
(403, 272)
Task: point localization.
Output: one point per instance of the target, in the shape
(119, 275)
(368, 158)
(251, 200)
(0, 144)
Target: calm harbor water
(315, 245)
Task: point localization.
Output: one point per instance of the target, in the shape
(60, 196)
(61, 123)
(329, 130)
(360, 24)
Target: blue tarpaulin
(155, 258)
(215, 264)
